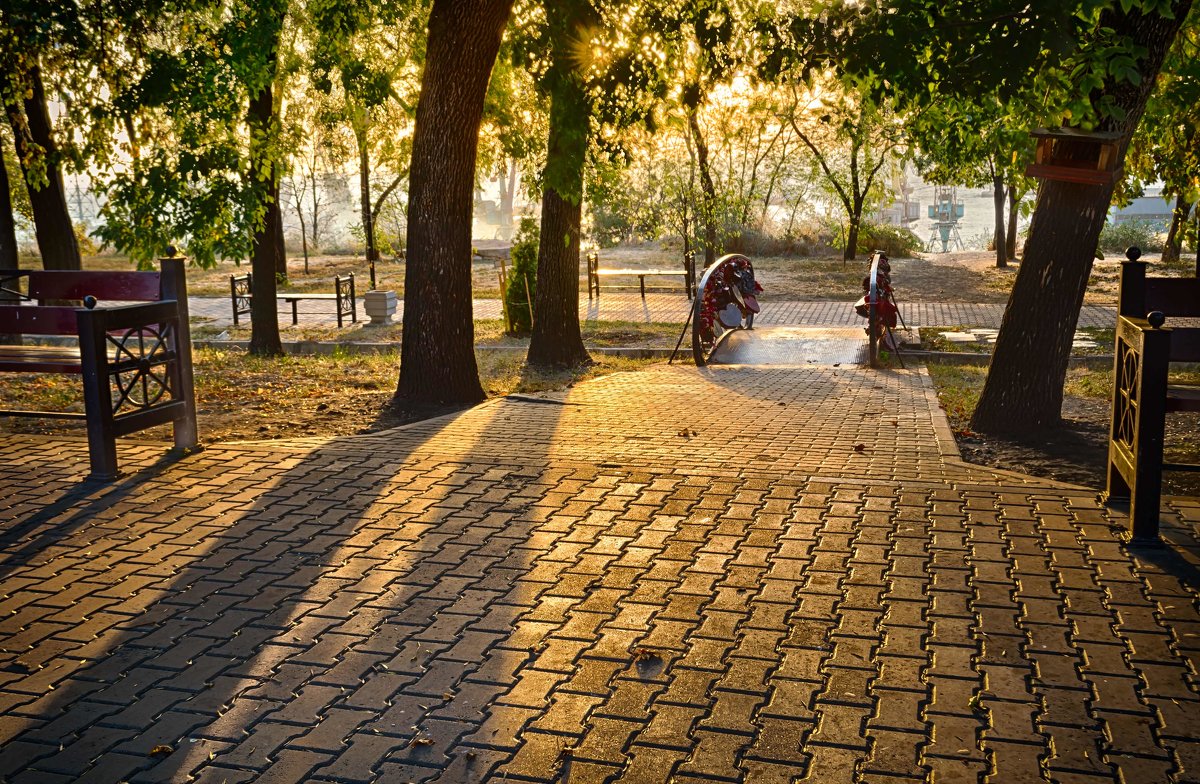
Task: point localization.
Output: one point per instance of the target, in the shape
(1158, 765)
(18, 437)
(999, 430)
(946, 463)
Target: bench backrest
(1141, 294)
(107, 287)
(114, 286)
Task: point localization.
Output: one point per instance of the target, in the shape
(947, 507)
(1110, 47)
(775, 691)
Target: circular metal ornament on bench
(141, 373)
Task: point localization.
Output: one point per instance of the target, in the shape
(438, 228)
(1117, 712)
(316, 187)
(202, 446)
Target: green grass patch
(489, 332)
(932, 340)
(958, 388)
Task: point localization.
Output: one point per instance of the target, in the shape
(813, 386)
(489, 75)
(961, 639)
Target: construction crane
(945, 212)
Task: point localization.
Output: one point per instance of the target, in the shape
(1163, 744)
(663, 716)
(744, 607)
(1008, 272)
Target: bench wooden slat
(40, 359)
(1173, 296)
(1183, 398)
(73, 284)
(27, 320)
(639, 273)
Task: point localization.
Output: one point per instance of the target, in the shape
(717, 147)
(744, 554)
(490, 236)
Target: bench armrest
(128, 316)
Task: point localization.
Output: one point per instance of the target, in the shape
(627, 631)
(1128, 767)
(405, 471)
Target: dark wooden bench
(595, 272)
(344, 298)
(134, 355)
(1142, 397)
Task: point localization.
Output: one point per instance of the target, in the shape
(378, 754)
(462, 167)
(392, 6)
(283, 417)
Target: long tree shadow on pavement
(276, 602)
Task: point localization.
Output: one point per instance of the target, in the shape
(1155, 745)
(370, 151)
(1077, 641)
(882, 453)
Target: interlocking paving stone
(674, 308)
(576, 591)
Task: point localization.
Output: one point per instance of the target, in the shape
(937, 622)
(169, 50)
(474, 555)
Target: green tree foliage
(978, 141)
(1166, 146)
(853, 135)
(366, 62)
(188, 174)
(1098, 58)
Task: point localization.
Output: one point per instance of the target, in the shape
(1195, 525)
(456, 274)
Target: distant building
(1151, 208)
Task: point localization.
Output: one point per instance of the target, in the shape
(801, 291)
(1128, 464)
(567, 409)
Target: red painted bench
(134, 355)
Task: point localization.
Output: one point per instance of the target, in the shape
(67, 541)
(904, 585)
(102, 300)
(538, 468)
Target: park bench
(134, 351)
(1142, 396)
(595, 272)
(343, 297)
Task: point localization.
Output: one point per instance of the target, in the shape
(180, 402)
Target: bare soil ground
(389, 275)
(1077, 451)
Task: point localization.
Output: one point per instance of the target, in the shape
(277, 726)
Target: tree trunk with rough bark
(267, 242)
(1014, 212)
(707, 190)
(855, 223)
(999, 199)
(1024, 387)
(1174, 243)
(52, 223)
(508, 191)
(437, 359)
(364, 191)
(8, 244)
(556, 340)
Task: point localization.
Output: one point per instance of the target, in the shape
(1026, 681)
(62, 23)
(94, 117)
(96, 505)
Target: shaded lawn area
(488, 332)
(241, 397)
(1077, 451)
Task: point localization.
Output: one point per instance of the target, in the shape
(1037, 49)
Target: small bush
(984, 240)
(87, 245)
(895, 241)
(802, 242)
(1116, 237)
(524, 268)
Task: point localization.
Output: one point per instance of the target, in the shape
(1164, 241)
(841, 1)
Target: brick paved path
(735, 574)
(668, 308)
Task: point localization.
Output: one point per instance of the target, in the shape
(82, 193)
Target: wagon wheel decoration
(724, 303)
(140, 371)
(1127, 394)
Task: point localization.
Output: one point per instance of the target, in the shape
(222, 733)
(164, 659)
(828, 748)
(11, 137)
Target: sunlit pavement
(674, 308)
(750, 573)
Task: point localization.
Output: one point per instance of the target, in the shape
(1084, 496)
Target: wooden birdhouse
(1075, 155)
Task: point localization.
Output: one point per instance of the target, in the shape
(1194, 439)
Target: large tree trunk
(8, 223)
(8, 242)
(52, 223)
(1174, 244)
(364, 191)
(707, 190)
(855, 223)
(999, 201)
(1024, 387)
(267, 241)
(556, 340)
(303, 227)
(508, 191)
(437, 359)
(1014, 212)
